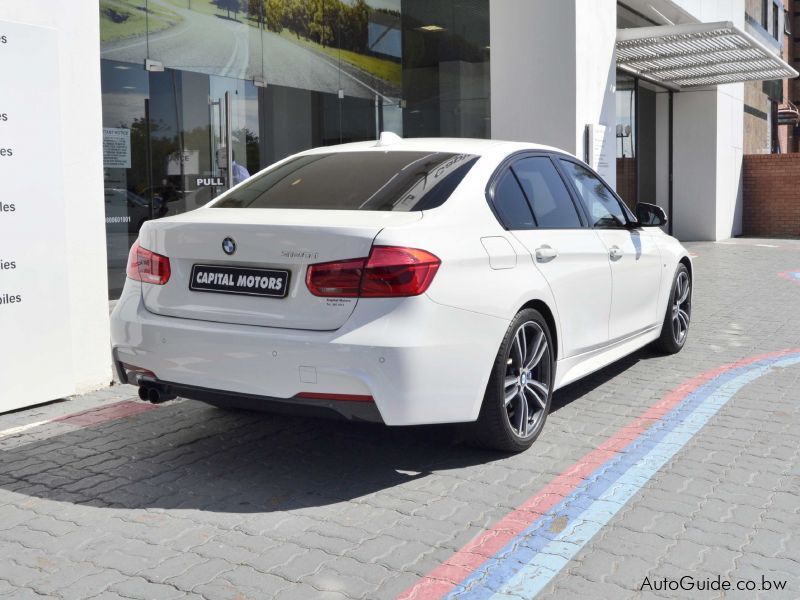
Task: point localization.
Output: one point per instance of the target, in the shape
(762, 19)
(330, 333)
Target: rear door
(532, 201)
(633, 254)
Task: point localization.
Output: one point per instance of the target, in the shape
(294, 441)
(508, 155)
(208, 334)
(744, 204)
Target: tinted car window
(603, 208)
(511, 205)
(549, 198)
(383, 181)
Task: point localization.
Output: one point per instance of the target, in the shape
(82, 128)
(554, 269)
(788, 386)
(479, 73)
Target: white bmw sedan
(405, 282)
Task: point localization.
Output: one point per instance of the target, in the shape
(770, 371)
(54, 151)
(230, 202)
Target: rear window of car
(382, 181)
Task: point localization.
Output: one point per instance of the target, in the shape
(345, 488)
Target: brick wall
(771, 195)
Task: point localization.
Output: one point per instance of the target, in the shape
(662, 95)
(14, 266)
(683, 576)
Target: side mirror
(650, 215)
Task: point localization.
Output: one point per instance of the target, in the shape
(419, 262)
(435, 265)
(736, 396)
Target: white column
(78, 99)
(553, 72)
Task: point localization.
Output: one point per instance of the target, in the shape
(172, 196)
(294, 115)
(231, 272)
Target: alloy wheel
(527, 382)
(681, 308)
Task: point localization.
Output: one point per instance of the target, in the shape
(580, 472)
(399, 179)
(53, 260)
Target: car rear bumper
(419, 361)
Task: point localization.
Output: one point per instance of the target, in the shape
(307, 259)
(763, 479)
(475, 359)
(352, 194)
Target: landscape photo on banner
(320, 45)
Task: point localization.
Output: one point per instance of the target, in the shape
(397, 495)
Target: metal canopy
(697, 54)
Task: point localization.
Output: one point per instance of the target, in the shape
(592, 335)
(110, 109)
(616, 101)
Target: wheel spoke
(684, 295)
(523, 346)
(523, 414)
(518, 350)
(510, 395)
(540, 400)
(541, 391)
(676, 327)
(539, 348)
(683, 317)
(510, 382)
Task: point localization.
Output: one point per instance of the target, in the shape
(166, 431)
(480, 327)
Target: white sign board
(116, 148)
(35, 335)
(597, 150)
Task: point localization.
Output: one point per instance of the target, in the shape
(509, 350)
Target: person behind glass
(238, 172)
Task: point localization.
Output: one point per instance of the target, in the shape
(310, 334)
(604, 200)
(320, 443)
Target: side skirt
(575, 367)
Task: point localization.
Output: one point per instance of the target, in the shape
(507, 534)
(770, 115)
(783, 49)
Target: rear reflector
(388, 272)
(338, 397)
(147, 266)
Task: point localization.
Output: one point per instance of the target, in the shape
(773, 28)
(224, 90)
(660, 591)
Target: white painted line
(22, 428)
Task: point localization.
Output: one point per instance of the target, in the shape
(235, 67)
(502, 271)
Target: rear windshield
(397, 180)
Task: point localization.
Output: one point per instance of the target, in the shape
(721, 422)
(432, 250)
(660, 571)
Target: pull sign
(210, 181)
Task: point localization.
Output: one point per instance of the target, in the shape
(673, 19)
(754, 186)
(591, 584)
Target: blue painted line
(531, 559)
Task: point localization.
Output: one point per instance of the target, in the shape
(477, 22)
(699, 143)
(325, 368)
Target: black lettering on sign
(3, 116)
(3, 39)
(7, 207)
(6, 152)
(10, 299)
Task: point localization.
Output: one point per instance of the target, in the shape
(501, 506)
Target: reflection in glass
(128, 203)
(246, 84)
(626, 139)
(394, 181)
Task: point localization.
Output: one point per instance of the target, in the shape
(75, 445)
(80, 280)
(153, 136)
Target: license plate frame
(240, 281)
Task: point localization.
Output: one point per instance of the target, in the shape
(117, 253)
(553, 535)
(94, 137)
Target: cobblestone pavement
(185, 500)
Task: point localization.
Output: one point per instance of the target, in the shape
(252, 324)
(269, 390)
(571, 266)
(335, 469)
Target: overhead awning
(697, 54)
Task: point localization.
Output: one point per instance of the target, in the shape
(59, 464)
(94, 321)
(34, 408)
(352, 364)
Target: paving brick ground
(187, 500)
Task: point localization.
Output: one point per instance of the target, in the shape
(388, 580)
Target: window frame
(630, 222)
(505, 167)
(776, 21)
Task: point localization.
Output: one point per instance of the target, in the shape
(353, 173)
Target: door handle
(615, 252)
(545, 253)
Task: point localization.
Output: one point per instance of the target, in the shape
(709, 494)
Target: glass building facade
(200, 94)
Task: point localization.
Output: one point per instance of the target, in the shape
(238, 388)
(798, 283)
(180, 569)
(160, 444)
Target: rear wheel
(520, 388)
(675, 328)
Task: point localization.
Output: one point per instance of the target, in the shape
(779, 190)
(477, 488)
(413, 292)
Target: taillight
(147, 266)
(338, 279)
(388, 272)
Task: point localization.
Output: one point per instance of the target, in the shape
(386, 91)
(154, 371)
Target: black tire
(673, 334)
(495, 427)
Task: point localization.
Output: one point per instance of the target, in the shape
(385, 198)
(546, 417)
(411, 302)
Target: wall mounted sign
(116, 148)
(35, 333)
(596, 150)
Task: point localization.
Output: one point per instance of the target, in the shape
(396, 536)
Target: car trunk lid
(268, 243)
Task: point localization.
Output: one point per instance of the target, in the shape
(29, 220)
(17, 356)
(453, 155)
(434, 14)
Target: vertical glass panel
(647, 179)
(446, 68)
(128, 201)
(178, 138)
(626, 139)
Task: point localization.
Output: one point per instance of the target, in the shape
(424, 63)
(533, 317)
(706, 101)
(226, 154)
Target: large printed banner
(35, 338)
(320, 45)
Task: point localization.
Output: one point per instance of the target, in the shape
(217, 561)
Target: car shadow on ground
(188, 455)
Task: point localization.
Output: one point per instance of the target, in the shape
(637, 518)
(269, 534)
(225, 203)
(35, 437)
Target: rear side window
(381, 181)
(510, 203)
(551, 202)
(605, 211)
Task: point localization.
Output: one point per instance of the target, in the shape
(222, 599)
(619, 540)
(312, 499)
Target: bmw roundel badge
(228, 246)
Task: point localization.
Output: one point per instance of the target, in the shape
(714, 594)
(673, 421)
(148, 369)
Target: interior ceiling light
(431, 28)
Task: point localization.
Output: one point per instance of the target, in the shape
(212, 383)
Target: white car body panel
(424, 359)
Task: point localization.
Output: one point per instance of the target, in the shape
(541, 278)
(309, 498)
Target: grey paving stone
(188, 500)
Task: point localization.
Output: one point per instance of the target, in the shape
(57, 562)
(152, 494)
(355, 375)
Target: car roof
(475, 146)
